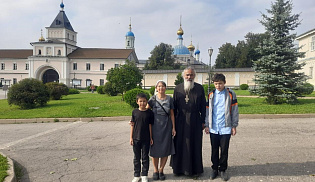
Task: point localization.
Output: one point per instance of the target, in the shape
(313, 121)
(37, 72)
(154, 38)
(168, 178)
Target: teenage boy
(221, 122)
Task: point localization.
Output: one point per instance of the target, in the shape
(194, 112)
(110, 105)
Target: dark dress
(188, 124)
(163, 145)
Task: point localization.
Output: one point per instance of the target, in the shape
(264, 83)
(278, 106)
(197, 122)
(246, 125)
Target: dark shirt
(142, 120)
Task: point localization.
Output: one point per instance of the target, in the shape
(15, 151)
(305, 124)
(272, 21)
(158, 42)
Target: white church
(58, 58)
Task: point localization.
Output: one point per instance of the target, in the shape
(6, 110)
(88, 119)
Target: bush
(57, 90)
(306, 89)
(73, 91)
(28, 93)
(109, 89)
(100, 89)
(152, 89)
(130, 96)
(244, 87)
(205, 88)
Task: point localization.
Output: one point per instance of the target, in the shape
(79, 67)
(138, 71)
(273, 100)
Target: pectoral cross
(186, 99)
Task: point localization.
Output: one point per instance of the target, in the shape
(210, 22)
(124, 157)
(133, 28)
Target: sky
(104, 23)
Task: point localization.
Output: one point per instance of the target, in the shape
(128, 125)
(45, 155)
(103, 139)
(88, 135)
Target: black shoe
(213, 174)
(195, 176)
(224, 176)
(162, 176)
(156, 176)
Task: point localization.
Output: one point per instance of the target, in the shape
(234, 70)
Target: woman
(162, 130)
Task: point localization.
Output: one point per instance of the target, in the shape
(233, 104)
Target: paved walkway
(99, 151)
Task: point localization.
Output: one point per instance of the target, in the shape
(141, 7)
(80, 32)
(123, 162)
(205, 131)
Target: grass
(259, 106)
(3, 168)
(96, 105)
(77, 105)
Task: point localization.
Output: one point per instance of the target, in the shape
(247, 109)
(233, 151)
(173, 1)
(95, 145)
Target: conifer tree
(276, 71)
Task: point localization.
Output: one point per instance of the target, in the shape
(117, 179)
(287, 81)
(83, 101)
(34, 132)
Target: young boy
(141, 137)
(221, 122)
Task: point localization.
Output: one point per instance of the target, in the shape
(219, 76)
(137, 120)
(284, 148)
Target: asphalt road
(262, 150)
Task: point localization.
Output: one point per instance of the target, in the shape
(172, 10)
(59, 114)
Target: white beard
(188, 85)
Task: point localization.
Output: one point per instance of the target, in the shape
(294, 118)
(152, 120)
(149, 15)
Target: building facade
(58, 58)
(307, 45)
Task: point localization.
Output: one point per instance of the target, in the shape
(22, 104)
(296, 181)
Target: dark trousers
(141, 152)
(219, 142)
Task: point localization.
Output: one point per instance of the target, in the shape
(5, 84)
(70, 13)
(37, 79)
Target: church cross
(186, 99)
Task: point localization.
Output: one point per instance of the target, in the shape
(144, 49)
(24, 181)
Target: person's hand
(151, 141)
(131, 123)
(173, 132)
(233, 131)
(131, 141)
(207, 130)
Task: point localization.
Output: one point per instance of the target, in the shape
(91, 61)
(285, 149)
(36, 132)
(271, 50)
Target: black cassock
(188, 123)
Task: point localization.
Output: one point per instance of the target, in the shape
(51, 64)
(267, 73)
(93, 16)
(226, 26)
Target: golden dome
(191, 47)
(180, 31)
(41, 39)
(41, 36)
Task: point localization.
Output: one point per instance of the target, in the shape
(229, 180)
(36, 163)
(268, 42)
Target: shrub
(306, 89)
(130, 96)
(205, 88)
(73, 91)
(100, 89)
(57, 90)
(152, 89)
(109, 89)
(244, 87)
(28, 93)
(179, 79)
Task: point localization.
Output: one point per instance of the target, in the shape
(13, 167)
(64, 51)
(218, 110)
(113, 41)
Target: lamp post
(210, 51)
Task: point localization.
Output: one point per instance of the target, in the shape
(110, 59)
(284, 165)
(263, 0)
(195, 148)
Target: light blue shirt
(218, 114)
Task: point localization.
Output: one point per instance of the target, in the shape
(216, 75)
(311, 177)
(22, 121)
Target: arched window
(59, 52)
(39, 52)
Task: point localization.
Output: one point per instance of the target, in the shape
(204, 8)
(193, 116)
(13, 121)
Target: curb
(55, 120)
(11, 174)
(127, 118)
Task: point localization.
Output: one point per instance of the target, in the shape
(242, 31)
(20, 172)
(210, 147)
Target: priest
(190, 111)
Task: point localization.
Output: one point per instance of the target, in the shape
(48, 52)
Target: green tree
(275, 71)
(161, 58)
(179, 79)
(226, 57)
(125, 77)
(243, 54)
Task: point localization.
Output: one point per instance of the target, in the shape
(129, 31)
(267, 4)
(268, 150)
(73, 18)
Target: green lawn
(96, 105)
(3, 167)
(77, 105)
